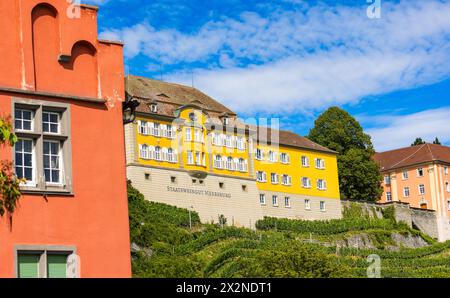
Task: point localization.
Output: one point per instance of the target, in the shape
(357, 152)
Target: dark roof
(409, 156)
(170, 96)
(288, 138)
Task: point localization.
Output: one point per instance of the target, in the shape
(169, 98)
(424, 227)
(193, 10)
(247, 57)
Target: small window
(322, 206)
(275, 201)
(274, 178)
(447, 186)
(244, 187)
(406, 192)
(221, 185)
(259, 154)
(52, 161)
(420, 172)
(307, 204)
(226, 121)
(23, 119)
(306, 182)
(405, 175)
(388, 196)
(448, 205)
(262, 199)
(445, 170)
(320, 163)
(387, 179)
(47, 264)
(147, 176)
(305, 161)
(421, 189)
(192, 117)
(50, 122)
(173, 179)
(188, 134)
(154, 108)
(194, 181)
(190, 158)
(287, 202)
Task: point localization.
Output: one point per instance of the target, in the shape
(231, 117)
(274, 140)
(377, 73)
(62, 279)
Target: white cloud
(400, 131)
(305, 59)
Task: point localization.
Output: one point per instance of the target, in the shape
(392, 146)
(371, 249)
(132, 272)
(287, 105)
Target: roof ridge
(409, 156)
(431, 151)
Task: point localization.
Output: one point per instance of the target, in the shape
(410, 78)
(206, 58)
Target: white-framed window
(259, 154)
(307, 204)
(387, 179)
(170, 131)
(285, 158)
(322, 206)
(406, 192)
(198, 135)
(274, 178)
(287, 202)
(306, 182)
(155, 129)
(50, 122)
(23, 119)
(388, 196)
(320, 163)
(143, 127)
(154, 108)
(240, 143)
(218, 162)
(448, 205)
(198, 158)
(242, 165)
(52, 162)
(189, 157)
(226, 121)
(405, 175)
(420, 172)
(261, 176)
(421, 189)
(188, 134)
(447, 186)
(275, 200)
(230, 163)
(262, 199)
(171, 156)
(158, 155)
(272, 156)
(305, 161)
(229, 141)
(321, 184)
(445, 170)
(25, 160)
(143, 151)
(286, 179)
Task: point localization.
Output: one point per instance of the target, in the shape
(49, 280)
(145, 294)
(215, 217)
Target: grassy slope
(171, 249)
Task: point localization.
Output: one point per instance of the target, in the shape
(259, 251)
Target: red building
(63, 88)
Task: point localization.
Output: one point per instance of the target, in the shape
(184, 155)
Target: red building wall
(94, 219)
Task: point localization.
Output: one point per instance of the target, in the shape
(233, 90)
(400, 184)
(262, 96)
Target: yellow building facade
(188, 150)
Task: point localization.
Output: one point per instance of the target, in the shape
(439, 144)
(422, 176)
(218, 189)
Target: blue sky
(292, 59)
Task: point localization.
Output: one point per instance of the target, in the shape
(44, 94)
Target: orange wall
(95, 219)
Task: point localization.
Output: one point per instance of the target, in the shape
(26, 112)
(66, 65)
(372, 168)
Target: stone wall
(425, 221)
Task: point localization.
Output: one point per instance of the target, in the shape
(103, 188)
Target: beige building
(188, 150)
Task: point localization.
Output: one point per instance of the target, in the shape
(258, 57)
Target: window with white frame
(306, 182)
(189, 157)
(421, 189)
(42, 152)
(406, 192)
(445, 170)
(305, 161)
(387, 179)
(320, 163)
(405, 175)
(321, 184)
(287, 202)
(448, 205)
(322, 206)
(158, 153)
(447, 186)
(242, 165)
(218, 162)
(198, 158)
(198, 135)
(143, 127)
(170, 131)
(262, 199)
(286, 179)
(261, 176)
(259, 155)
(388, 196)
(285, 158)
(275, 200)
(274, 178)
(230, 163)
(229, 141)
(240, 143)
(171, 156)
(155, 129)
(307, 204)
(188, 134)
(420, 172)
(50, 122)
(272, 156)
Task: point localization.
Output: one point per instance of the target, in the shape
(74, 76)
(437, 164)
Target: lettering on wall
(199, 192)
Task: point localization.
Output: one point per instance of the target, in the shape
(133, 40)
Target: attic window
(192, 116)
(154, 108)
(226, 121)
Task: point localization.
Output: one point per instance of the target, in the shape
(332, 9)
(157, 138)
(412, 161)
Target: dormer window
(154, 108)
(192, 117)
(226, 121)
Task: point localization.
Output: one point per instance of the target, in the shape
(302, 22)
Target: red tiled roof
(404, 157)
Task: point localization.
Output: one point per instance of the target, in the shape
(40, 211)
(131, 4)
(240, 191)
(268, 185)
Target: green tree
(9, 184)
(418, 141)
(436, 141)
(359, 174)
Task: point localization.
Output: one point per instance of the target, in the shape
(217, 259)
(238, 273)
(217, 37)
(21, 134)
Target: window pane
(46, 161)
(47, 176)
(27, 160)
(46, 147)
(19, 160)
(28, 174)
(55, 176)
(54, 118)
(56, 266)
(27, 146)
(26, 115)
(54, 128)
(28, 266)
(18, 124)
(55, 148)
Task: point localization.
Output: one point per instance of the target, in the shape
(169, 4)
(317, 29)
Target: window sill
(41, 192)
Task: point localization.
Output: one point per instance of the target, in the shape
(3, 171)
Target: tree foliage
(359, 174)
(436, 141)
(418, 141)
(9, 184)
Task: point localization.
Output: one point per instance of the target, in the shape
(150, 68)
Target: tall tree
(436, 141)
(359, 174)
(9, 184)
(418, 141)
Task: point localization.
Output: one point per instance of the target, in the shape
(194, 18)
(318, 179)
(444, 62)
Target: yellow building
(188, 150)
